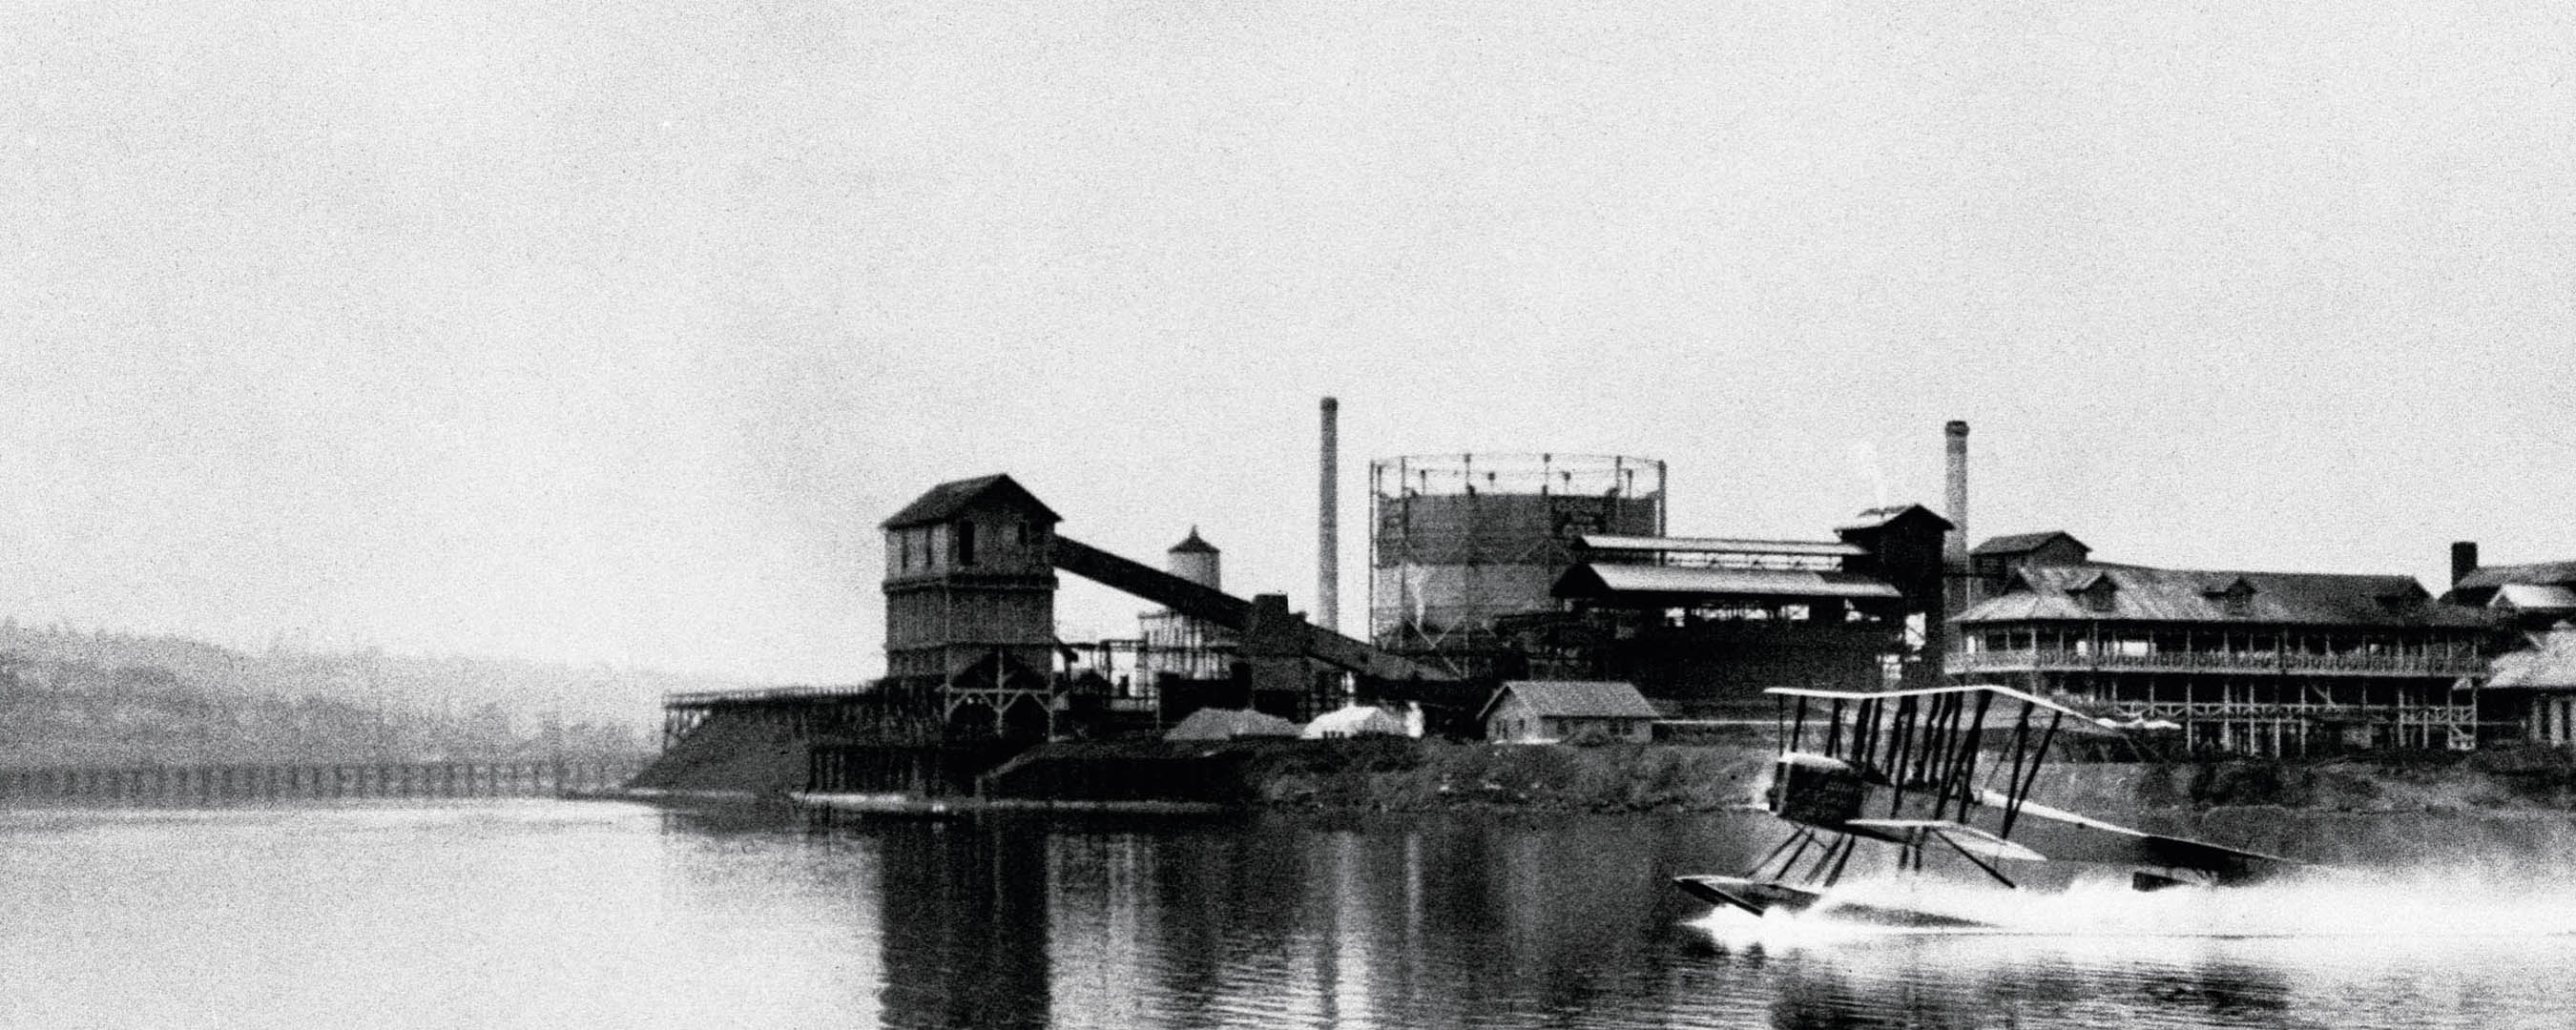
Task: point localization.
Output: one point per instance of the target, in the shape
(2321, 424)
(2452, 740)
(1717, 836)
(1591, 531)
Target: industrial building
(1552, 566)
(970, 606)
(1464, 541)
(2531, 597)
(2529, 694)
(1703, 625)
(1555, 574)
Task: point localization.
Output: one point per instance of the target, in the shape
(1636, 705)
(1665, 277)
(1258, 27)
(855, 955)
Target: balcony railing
(2181, 711)
(2058, 660)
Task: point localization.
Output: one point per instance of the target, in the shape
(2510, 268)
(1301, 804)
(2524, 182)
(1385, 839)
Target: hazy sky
(610, 331)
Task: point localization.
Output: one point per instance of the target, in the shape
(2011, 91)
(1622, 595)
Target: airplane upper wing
(2081, 721)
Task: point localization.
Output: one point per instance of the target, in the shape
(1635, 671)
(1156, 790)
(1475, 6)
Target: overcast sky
(608, 332)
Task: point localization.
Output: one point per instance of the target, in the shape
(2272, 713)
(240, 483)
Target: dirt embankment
(1428, 775)
(731, 752)
(1398, 775)
(1414, 776)
(2504, 779)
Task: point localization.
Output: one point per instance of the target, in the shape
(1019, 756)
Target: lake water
(566, 914)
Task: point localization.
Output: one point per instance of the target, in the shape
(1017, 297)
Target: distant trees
(92, 699)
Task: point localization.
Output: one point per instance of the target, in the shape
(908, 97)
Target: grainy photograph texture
(1178, 515)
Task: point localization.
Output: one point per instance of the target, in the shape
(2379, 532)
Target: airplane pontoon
(1948, 767)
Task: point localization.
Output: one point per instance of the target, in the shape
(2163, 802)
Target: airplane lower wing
(1964, 837)
(2065, 835)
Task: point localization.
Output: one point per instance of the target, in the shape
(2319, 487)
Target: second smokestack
(1328, 572)
(1955, 548)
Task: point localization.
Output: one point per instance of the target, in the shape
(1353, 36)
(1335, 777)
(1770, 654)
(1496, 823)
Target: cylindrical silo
(1458, 540)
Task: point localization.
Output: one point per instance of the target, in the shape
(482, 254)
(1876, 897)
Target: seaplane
(1949, 766)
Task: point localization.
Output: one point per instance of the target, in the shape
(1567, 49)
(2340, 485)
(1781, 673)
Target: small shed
(1228, 724)
(1355, 721)
(1550, 711)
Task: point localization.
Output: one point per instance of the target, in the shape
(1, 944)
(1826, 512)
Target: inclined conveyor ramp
(1226, 610)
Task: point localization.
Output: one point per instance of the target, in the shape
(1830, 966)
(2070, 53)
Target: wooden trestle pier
(202, 784)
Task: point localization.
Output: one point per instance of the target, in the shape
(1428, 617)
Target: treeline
(73, 698)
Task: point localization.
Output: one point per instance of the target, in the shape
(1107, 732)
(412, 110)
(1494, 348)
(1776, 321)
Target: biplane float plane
(1945, 766)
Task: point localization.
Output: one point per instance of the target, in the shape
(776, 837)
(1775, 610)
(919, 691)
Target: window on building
(965, 542)
(2096, 598)
(2236, 598)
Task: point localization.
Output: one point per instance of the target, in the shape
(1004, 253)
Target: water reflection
(1014, 922)
(539, 914)
(964, 926)
(1459, 922)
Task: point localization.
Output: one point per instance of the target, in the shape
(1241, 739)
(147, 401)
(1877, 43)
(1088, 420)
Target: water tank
(1195, 560)
(1459, 540)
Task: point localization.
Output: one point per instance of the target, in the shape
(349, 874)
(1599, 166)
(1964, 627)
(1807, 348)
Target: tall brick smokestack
(2464, 560)
(1328, 544)
(1954, 551)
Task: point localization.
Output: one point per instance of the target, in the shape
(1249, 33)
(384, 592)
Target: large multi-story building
(2243, 662)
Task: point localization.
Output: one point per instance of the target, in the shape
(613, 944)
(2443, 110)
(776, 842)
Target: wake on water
(2471, 900)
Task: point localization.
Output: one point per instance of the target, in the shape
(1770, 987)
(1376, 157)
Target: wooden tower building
(970, 605)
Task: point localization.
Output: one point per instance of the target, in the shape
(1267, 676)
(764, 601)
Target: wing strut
(1971, 857)
(1799, 838)
(2021, 741)
(2012, 805)
(1834, 731)
(1906, 714)
(1840, 858)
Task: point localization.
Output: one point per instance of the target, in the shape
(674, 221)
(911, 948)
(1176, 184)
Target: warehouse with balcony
(2243, 662)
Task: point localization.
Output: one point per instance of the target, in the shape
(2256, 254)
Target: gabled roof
(2548, 573)
(2548, 661)
(1605, 579)
(2024, 543)
(2138, 594)
(947, 500)
(1577, 699)
(1876, 517)
(2229, 585)
(2529, 598)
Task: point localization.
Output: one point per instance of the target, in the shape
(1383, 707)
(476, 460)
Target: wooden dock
(209, 784)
